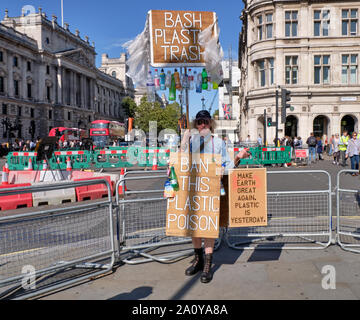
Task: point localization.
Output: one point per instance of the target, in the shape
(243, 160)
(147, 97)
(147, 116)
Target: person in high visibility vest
(344, 141)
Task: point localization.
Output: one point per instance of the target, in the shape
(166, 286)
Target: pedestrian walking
(311, 142)
(208, 144)
(331, 149)
(352, 151)
(343, 146)
(319, 148)
(335, 149)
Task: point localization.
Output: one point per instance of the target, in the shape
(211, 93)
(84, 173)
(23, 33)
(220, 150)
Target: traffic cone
(155, 165)
(122, 187)
(44, 167)
(68, 164)
(5, 175)
(68, 167)
(30, 166)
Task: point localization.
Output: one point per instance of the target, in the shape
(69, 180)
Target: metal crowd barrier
(294, 217)
(52, 241)
(348, 211)
(143, 223)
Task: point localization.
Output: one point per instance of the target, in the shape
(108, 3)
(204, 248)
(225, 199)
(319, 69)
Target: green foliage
(216, 113)
(129, 106)
(166, 118)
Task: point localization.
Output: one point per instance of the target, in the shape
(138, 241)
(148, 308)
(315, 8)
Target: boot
(207, 275)
(197, 263)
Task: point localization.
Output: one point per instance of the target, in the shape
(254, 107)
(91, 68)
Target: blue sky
(110, 23)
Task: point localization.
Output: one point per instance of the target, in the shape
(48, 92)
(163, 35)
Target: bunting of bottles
(192, 80)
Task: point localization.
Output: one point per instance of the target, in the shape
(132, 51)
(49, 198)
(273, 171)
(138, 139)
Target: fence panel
(348, 211)
(294, 217)
(142, 218)
(53, 241)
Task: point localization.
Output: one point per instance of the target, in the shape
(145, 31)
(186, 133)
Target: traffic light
(285, 97)
(269, 122)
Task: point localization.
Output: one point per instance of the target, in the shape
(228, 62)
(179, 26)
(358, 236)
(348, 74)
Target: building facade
(229, 107)
(310, 48)
(48, 78)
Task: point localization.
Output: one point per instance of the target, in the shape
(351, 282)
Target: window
(1, 56)
(29, 95)
(48, 93)
(19, 111)
(265, 26)
(2, 89)
(50, 114)
(4, 109)
(291, 70)
(32, 112)
(349, 69)
(16, 87)
(349, 22)
(322, 69)
(291, 23)
(321, 23)
(69, 115)
(113, 74)
(265, 69)
(47, 69)
(29, 66)
(16, 61)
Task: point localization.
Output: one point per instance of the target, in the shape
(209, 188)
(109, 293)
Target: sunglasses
(202, 121)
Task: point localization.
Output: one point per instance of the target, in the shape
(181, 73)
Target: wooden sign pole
(187, 104)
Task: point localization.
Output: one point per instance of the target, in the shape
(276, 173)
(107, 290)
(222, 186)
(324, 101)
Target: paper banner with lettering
(195, 209)
(174, 37)
(247, 198)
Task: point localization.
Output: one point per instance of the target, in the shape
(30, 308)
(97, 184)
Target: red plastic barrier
(92, 192)
(12, 202)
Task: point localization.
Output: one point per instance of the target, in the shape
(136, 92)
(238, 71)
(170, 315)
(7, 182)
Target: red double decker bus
(69, 134)
(105, 132)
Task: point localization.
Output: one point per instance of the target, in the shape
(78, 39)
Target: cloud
(118, 43)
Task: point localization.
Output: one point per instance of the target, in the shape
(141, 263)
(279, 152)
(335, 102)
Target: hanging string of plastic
(213, 54)
(138, 62)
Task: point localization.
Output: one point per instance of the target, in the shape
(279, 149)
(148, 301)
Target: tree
(166, 118)
(216, 113)
(129, 105)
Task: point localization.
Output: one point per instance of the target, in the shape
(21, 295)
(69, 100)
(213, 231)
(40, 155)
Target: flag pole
(62, 13)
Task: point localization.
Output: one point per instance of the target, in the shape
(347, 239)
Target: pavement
(331, 274)
(283, 274)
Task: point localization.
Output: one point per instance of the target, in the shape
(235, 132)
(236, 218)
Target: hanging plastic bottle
(191, 79)
(168, 79)
(162, 79)
(199, 83)
(157, 80)
(209, 84)
(173, 179)
(172, 89)
(215, 85)
(150, 88)
(177, 80)
(204, 77)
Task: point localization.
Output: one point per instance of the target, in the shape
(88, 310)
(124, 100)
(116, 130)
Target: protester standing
(207, 143)
(352, 151)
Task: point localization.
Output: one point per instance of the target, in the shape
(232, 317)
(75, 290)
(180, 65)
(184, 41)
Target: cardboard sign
(174, 37)
(195, 209)
(247, 198)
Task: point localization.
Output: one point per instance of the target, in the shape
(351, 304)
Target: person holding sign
(205, 142)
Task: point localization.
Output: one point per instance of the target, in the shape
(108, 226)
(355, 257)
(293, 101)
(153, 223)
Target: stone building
(48, 78)
(310, 48)
(229, 97)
